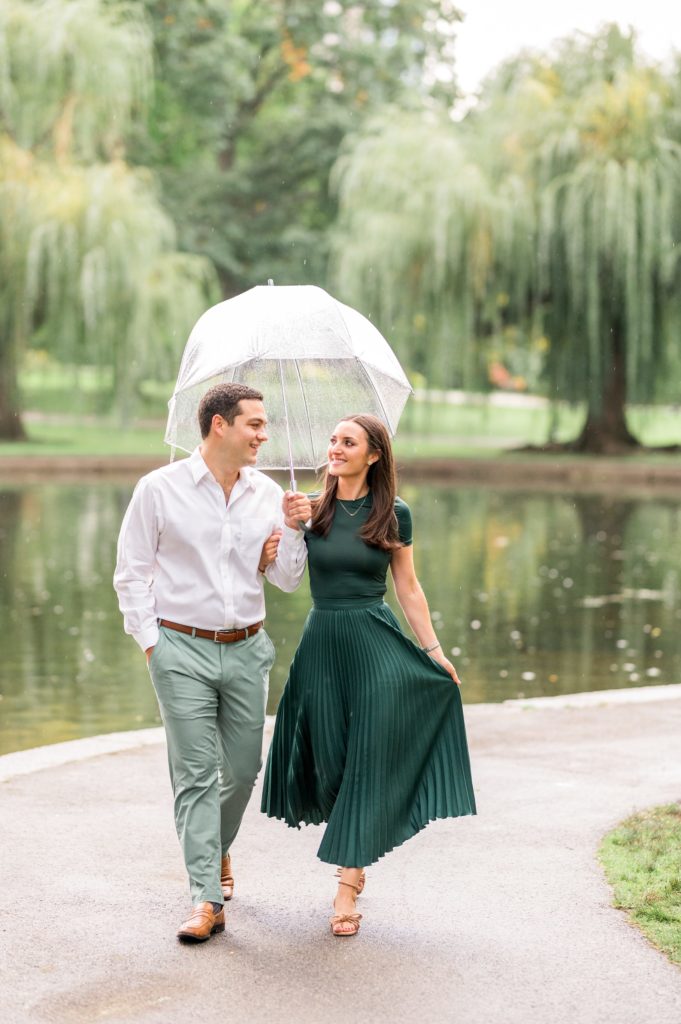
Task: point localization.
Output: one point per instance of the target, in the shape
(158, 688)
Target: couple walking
(369, 735)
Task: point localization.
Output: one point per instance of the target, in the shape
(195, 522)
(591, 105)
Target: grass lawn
(100, 438)
(478, 429)
(642, 861)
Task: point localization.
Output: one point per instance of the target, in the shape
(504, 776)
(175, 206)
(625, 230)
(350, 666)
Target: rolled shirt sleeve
(287, 569)
(136, 557)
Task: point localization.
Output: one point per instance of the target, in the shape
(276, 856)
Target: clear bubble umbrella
(314, 359)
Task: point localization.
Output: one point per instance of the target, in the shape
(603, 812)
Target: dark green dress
(369, 734)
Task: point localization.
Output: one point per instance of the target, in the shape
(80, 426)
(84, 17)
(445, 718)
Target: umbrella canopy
(314, 359)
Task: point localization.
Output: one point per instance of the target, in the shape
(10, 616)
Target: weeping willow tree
(427, 239)
(87, 255)
(556, 205)
(608, 172)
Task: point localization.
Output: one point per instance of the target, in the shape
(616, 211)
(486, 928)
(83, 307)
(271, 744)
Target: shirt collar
(248, 475)
(198, 467)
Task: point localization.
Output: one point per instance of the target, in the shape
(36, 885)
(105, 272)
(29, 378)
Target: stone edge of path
(24, 762)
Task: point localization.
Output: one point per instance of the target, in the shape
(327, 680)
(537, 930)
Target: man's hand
(297, 509)
(269, 550)
(148, 653)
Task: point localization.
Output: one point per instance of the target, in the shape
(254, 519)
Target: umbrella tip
(270, 281)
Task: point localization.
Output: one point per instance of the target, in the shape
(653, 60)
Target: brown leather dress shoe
(226, 878)
(203, 923)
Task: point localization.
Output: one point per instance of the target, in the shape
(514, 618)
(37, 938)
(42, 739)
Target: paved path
(500, 919)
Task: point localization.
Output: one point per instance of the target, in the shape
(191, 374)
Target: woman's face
(348, 452)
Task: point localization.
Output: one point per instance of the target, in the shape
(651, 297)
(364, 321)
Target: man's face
(242, 439)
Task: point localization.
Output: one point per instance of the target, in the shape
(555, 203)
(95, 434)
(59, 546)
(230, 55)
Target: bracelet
(261, 571)
(433, 647)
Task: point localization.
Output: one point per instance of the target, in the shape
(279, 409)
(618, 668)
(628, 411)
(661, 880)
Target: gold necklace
(352, 514)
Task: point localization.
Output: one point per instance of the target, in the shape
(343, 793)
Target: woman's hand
(438, 655)
(297, 509)
(269, 550)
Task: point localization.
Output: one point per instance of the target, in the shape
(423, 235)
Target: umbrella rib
(377, 394)
(307, 411)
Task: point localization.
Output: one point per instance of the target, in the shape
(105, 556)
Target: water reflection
(533, 593)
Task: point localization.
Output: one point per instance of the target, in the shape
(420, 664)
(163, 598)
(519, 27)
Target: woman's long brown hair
(380, 529)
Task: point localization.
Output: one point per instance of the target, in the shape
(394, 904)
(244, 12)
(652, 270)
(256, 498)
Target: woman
(369, 735)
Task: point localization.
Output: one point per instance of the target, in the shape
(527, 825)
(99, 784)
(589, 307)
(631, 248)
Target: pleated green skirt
(369, 737)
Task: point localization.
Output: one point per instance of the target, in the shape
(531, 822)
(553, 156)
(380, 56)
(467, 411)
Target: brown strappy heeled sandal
(340, 919)
(360, 884)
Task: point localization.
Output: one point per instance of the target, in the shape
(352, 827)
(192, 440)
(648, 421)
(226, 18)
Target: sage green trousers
(212, 698)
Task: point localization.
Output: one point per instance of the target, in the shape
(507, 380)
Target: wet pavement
(499, 919)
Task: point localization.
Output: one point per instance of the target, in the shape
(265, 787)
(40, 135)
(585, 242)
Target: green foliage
(75, 75)
(553, 208)
(88, 262)
(642, 860)
(429, 242)
(253, 102)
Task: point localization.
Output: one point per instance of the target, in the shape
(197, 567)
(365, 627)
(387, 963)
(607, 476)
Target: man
(197, 540)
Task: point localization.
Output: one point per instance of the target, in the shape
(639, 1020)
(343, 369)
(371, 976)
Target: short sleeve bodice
(343, 569)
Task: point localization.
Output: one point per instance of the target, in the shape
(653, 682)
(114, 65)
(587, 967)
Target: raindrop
(528, 676)
(621, 643)
(456, 651)
(553, 573)
(504, 673)
(58, 610)
(628, 666)
(567, 583)
(614, 667)
(634, 677)
(553, 678)
(476, 624)
(656, 631)
(653, 671)
(73, 631)
(88, 655)
(601, 536)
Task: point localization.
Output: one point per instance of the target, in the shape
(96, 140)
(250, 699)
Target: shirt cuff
(289, 535)
(147, 638)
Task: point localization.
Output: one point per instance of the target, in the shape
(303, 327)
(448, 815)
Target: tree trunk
(605, 431)
(11, 426)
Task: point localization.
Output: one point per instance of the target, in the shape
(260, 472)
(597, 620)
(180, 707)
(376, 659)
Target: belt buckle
(215, 635)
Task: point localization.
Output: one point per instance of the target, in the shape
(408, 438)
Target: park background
(518, 245)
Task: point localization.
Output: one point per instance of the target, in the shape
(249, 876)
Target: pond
(533, 594)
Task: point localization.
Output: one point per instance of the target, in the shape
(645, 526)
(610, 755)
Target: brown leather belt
(220, 636)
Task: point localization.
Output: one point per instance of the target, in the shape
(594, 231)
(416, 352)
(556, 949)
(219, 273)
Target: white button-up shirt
(187, 555)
